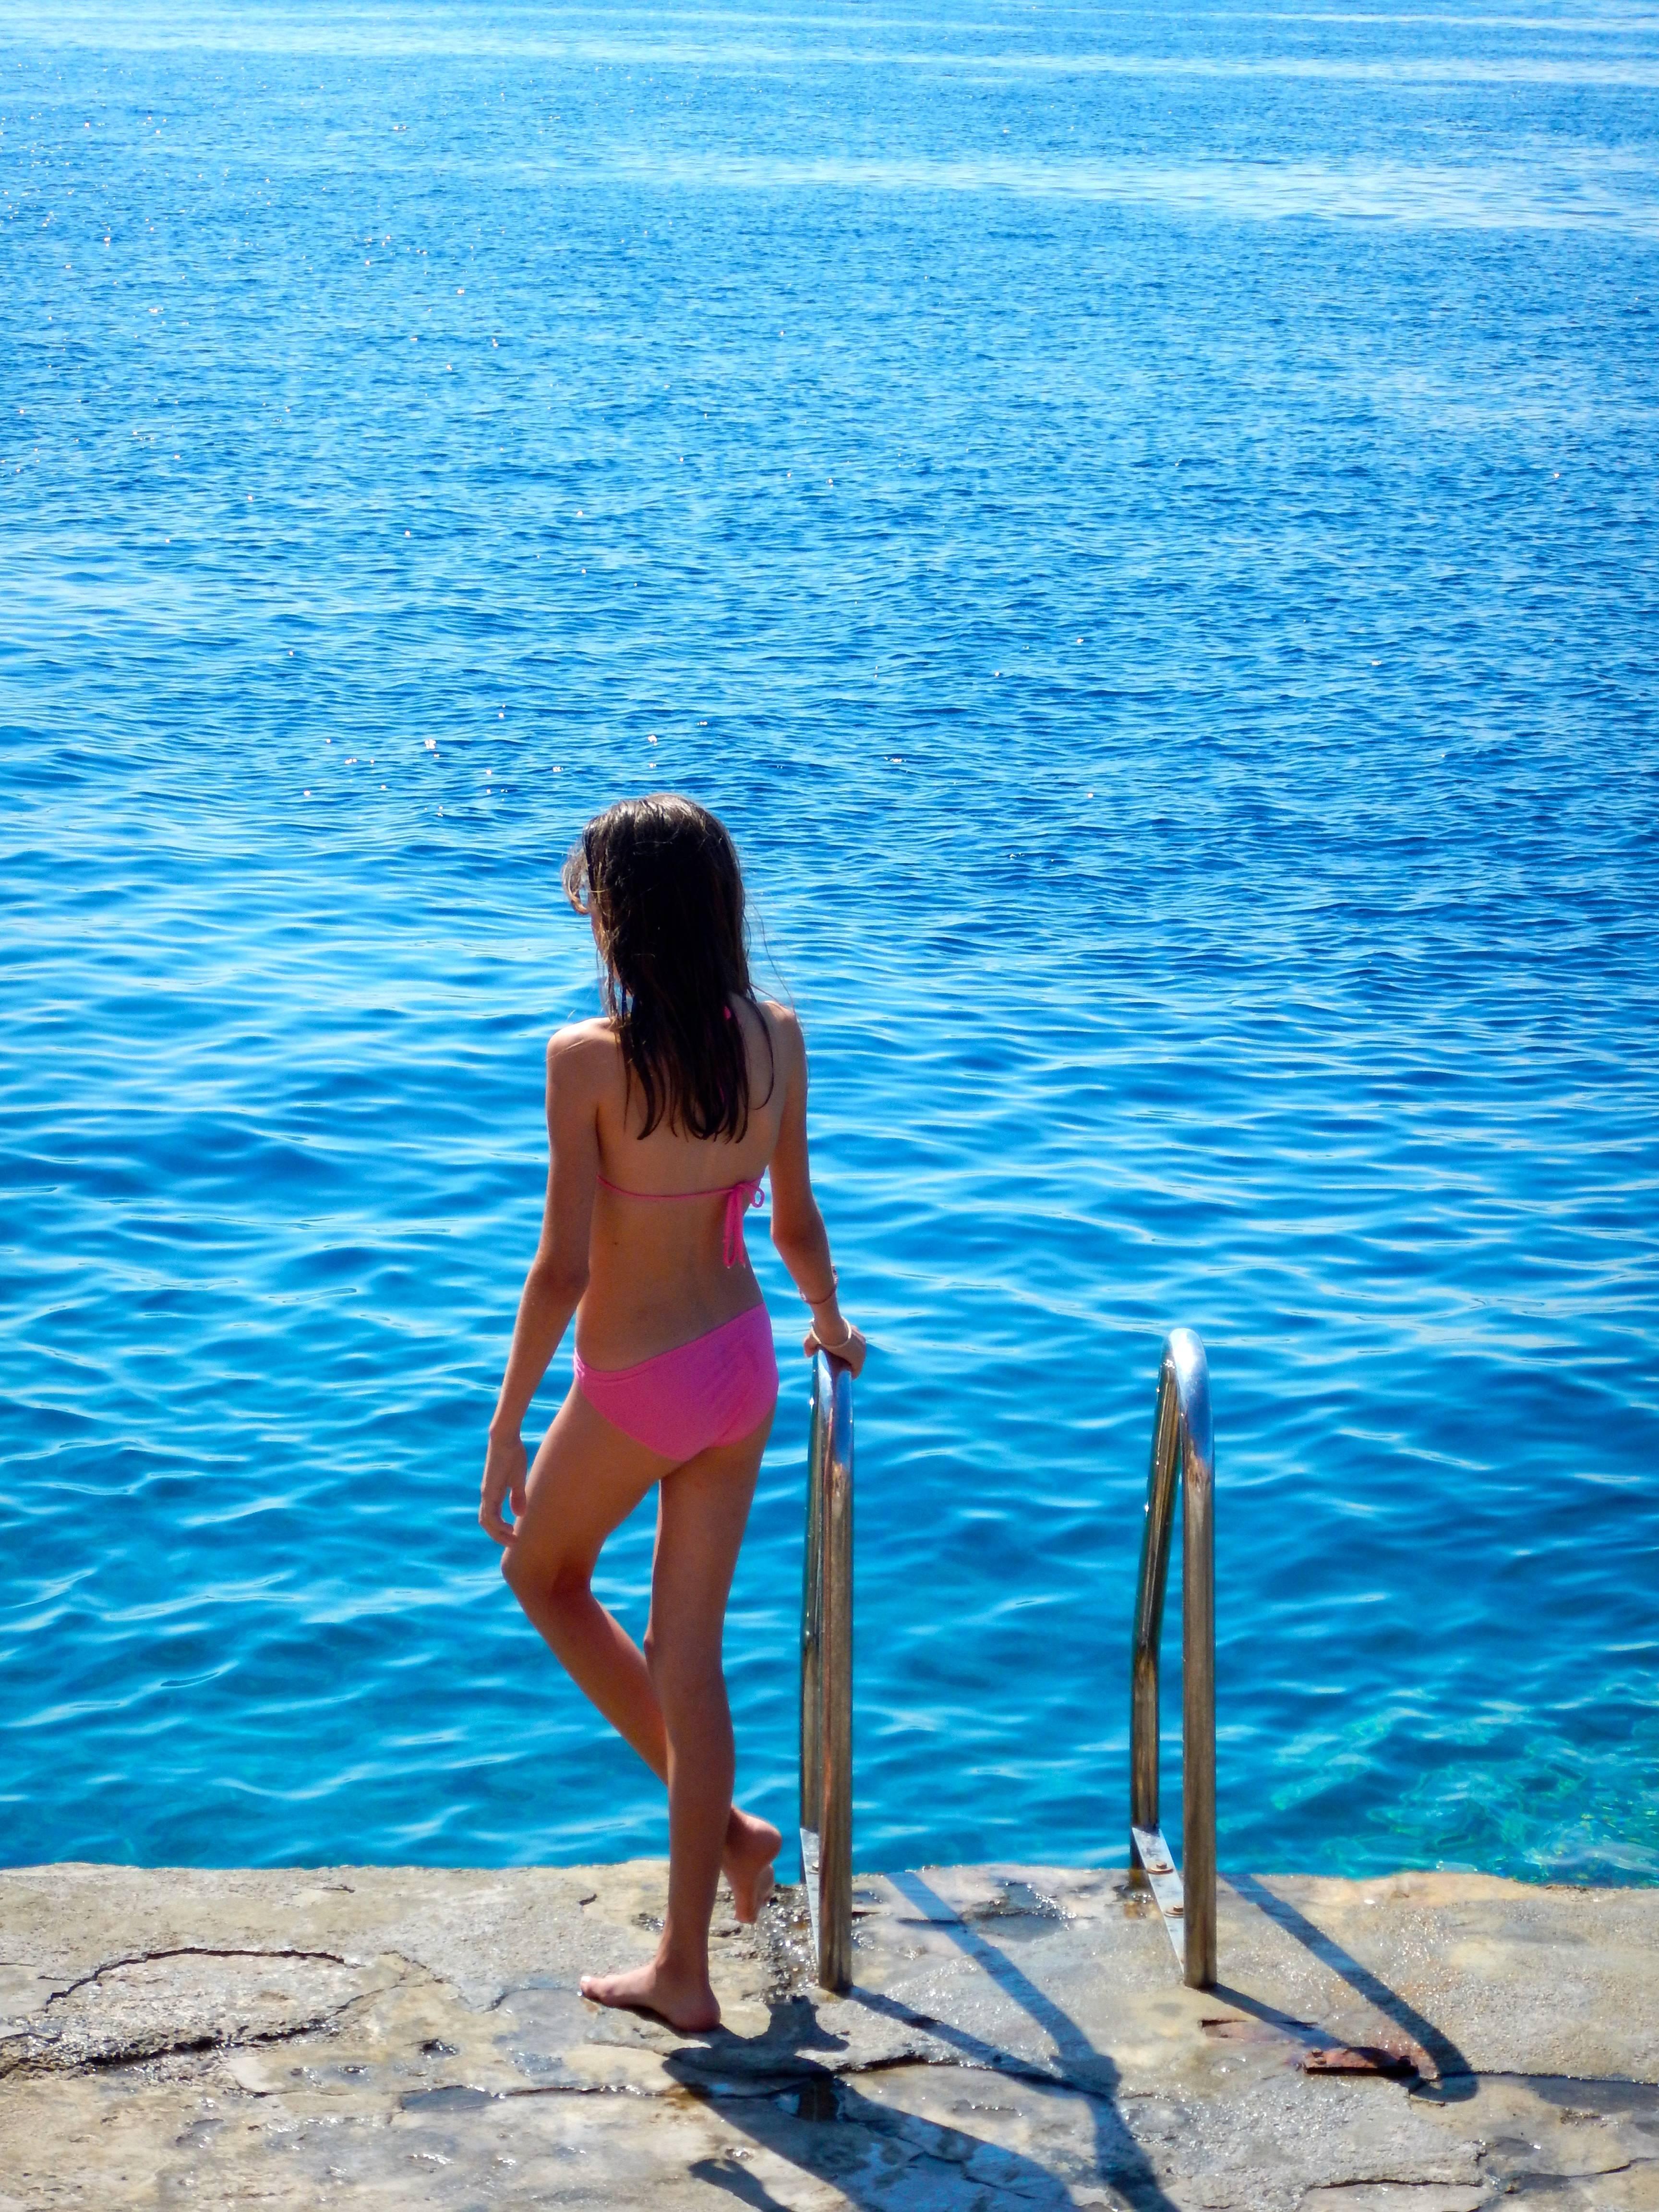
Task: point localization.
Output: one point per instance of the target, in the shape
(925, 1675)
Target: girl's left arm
(558, 1273)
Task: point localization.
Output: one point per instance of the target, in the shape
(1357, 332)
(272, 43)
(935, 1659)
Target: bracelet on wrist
(828, 1297)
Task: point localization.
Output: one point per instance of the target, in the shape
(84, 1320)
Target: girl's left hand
(851, 1353)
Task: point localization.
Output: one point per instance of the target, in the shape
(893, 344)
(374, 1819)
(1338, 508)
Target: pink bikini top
(739, 1196)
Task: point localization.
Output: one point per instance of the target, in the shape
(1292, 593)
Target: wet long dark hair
(660, 877)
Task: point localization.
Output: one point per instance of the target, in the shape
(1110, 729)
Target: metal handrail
(826, 1676)
(1183, 1448)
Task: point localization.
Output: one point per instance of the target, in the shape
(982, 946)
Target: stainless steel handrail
(1183, 1448)
(826, 1676)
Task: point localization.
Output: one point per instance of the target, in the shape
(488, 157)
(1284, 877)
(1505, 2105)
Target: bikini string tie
(738, 1199)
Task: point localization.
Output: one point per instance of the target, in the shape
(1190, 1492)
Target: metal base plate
(1157, 1862)
(809, 1876)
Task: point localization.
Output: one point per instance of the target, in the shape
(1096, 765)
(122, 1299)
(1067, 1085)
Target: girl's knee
(555, 1580)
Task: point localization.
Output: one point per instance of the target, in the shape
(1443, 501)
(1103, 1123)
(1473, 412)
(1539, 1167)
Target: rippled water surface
(1143, 522)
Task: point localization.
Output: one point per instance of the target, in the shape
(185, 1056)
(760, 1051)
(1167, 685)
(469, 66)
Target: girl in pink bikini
(662, 1117)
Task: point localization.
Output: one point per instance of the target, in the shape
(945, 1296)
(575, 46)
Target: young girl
(662, 1117)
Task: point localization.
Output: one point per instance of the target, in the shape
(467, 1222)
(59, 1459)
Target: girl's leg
(703, 1511)
(586, 1480)
(588, 1477)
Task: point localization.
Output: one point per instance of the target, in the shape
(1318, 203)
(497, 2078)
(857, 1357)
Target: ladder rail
(826, 1675)
(1182, 1459)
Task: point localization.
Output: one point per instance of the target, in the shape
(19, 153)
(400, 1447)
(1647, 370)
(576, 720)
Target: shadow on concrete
(1307, 2032)
(1452, 2080)
(1119, 2158)
(877, 2154)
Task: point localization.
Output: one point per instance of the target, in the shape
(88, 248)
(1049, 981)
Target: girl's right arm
(558, 1273)
(797, 1230)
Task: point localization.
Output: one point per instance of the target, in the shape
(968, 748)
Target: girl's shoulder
(786, 1030)
(783, 1029)
(584, 1052)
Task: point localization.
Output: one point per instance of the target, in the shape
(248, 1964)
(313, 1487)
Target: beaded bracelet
(834, 1285)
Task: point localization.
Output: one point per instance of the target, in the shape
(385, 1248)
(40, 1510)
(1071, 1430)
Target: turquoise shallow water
(1143, 523)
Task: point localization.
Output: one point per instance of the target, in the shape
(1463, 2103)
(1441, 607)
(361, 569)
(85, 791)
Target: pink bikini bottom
(714, 1390)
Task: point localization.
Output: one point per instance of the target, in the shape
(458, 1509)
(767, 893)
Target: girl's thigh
(587, 1477)
(702, 1510)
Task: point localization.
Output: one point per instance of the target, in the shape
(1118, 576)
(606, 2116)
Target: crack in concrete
(38, 2059)
(1418, 2180)
(463, 2096)
(189, 1951)
(42, 2045)
(41, 2058)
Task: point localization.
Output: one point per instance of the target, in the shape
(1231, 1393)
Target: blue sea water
(1143, 522)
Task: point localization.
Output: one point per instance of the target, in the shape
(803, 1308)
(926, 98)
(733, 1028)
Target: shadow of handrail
(826, 2094)
(1453, 2080)
(1116, 2150)
(1056, 2022)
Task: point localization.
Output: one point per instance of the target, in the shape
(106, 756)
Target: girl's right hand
(851, 1353)
(505, 1470)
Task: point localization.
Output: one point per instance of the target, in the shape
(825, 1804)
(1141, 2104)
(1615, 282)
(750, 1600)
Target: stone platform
(409, 2039)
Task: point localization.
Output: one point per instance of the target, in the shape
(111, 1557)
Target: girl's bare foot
(685, 2002)
(751, 1844)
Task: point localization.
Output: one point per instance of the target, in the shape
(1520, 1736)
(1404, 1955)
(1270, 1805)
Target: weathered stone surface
(415, 2037)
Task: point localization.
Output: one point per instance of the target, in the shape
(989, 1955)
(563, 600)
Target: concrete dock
(406, 2037)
